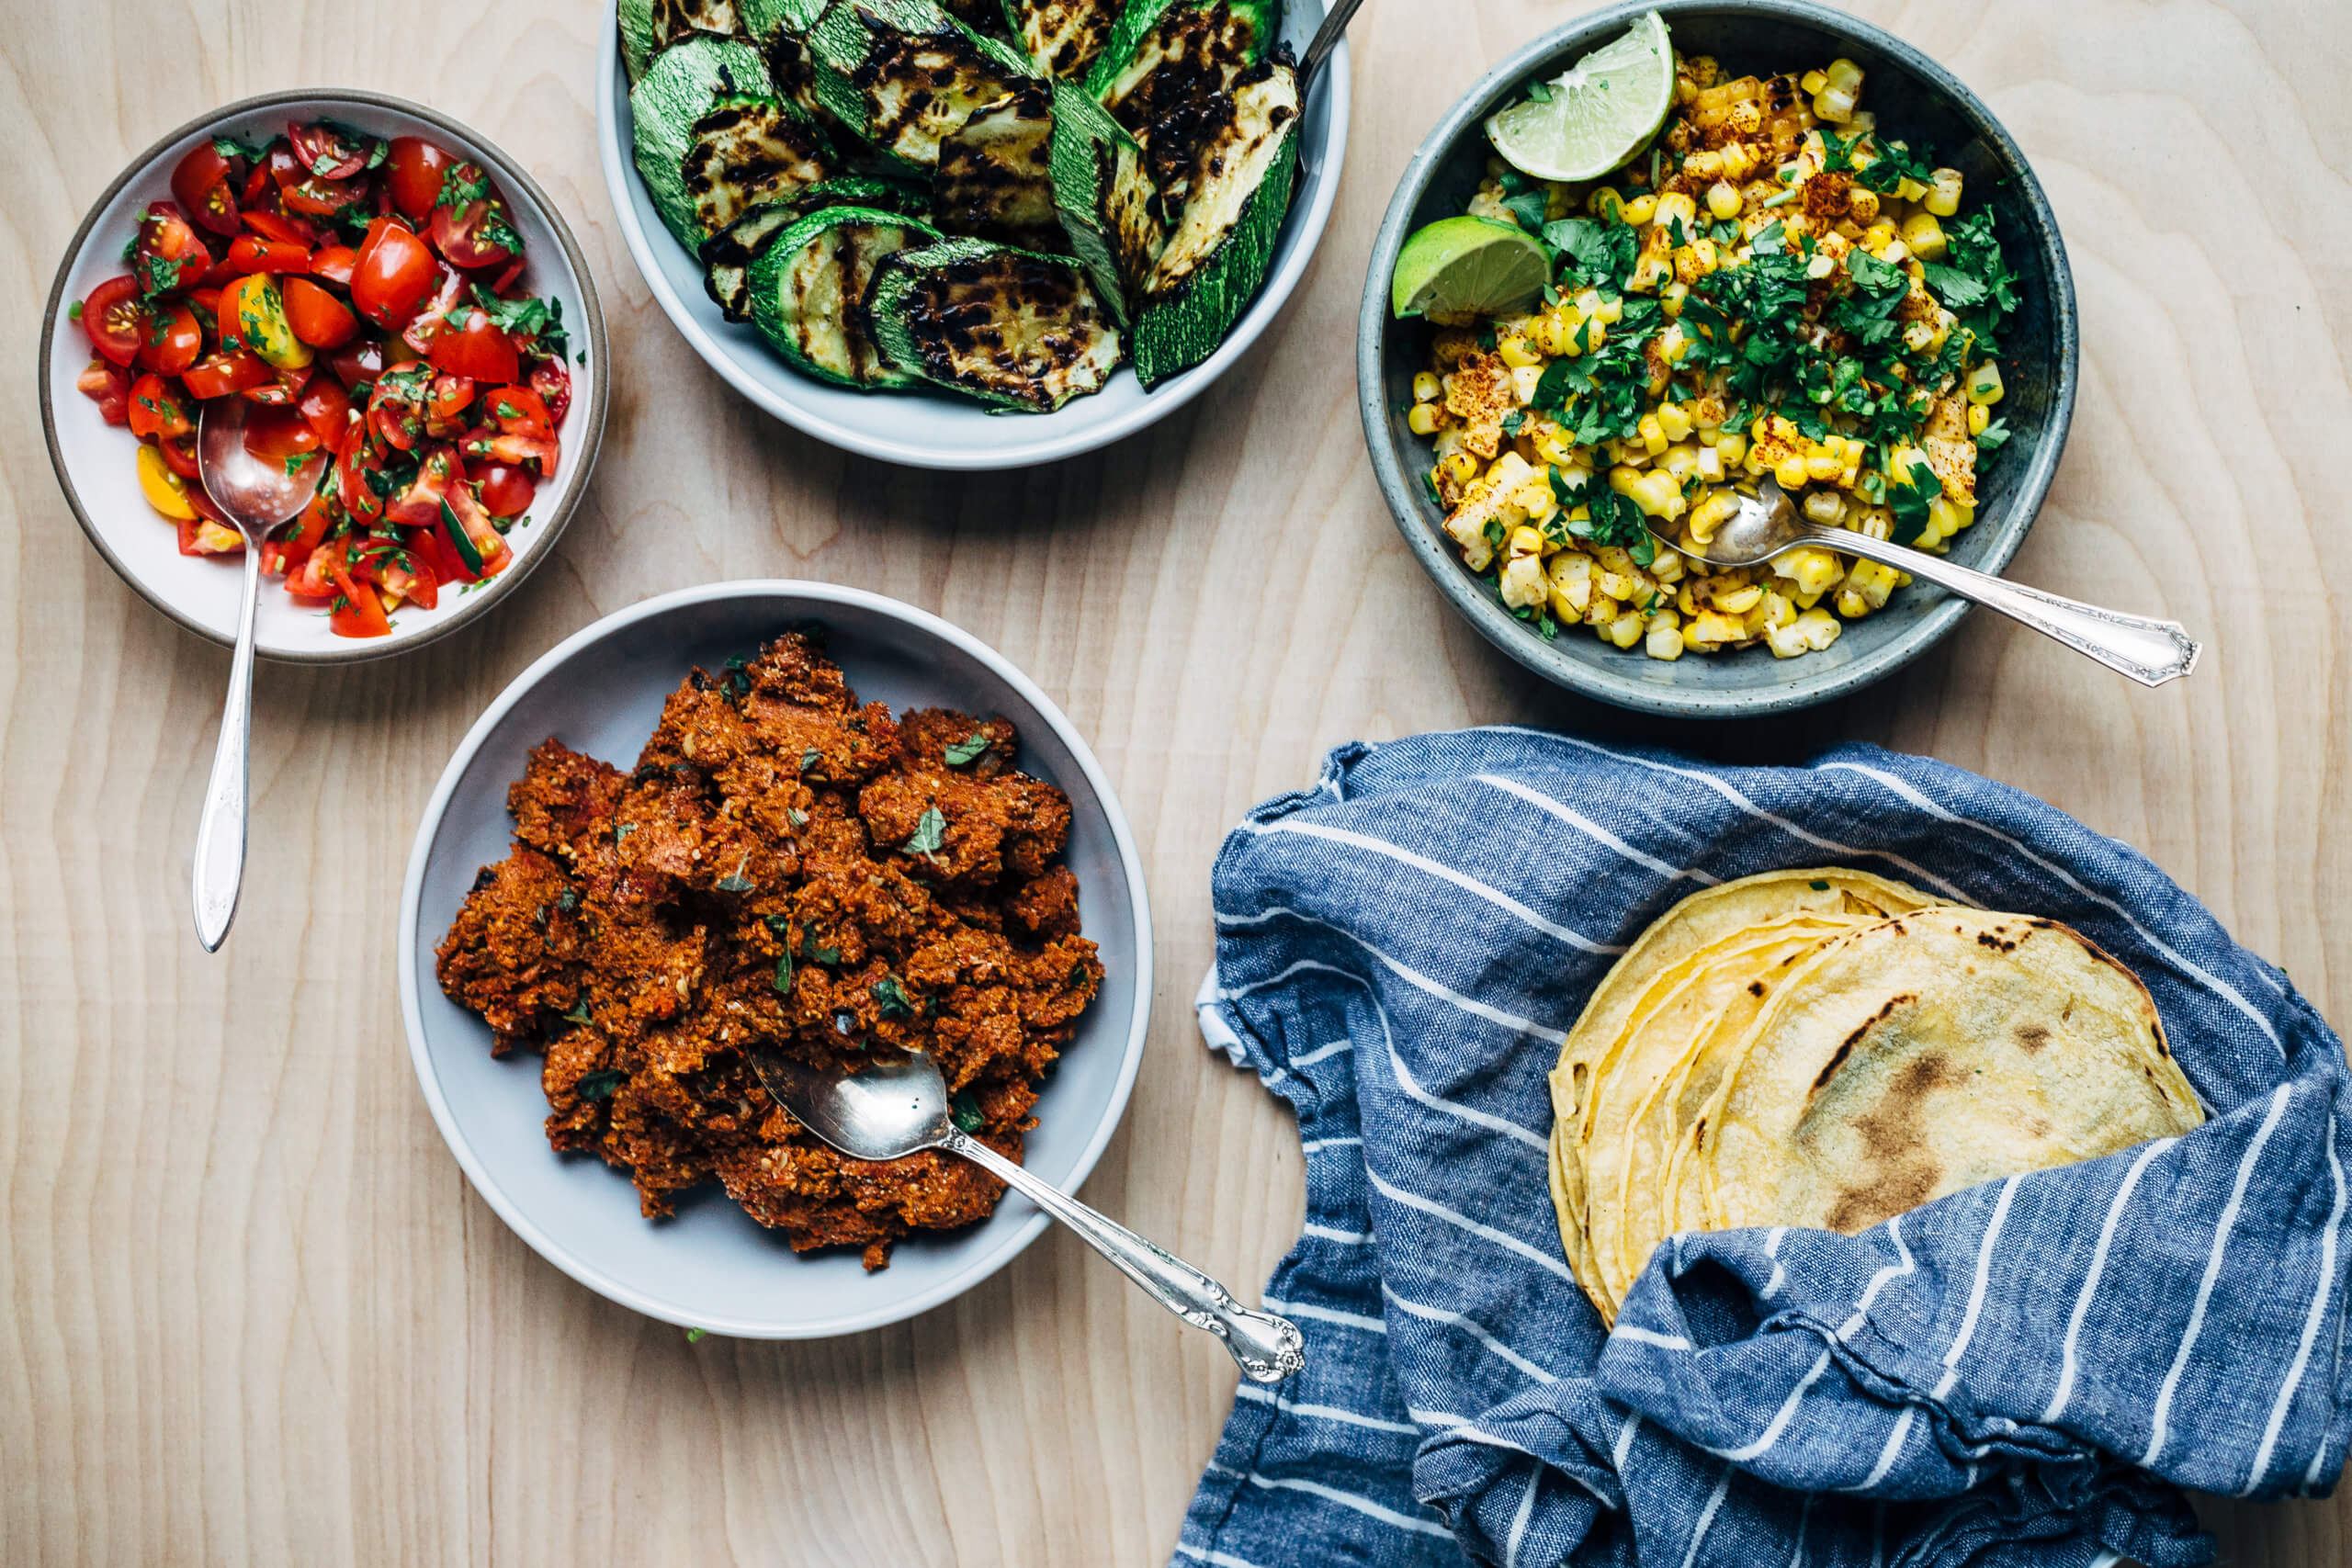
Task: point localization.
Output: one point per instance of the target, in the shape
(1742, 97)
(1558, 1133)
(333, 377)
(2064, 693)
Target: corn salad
(1771, 288)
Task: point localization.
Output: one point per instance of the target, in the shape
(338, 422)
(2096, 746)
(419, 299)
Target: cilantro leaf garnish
(959, 752)
(931, 833)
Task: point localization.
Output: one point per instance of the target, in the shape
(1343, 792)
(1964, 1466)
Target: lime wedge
(1595, 115)
(1460, 270)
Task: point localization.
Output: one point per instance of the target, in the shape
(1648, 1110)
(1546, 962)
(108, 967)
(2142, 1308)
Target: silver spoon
(894, 1107)
(255, 496)
(1326, 39)
(2148, 650)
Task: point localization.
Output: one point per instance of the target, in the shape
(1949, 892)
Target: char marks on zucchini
(904, 74)
(648, 27)
(1012, 328)
(1064, 36)
(995, 176)
(1167, 71)
(746, 154)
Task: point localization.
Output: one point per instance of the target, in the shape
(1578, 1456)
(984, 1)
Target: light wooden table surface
(250, 1311)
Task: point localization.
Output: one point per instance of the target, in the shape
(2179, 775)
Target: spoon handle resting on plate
(220, 831)
(1267, 1348)
(1326, 39)
(2148, 650)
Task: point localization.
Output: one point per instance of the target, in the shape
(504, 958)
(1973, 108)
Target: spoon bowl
(257, 496)
(885, 1110)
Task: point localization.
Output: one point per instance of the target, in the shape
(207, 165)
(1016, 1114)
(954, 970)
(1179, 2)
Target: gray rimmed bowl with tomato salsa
(409, 310)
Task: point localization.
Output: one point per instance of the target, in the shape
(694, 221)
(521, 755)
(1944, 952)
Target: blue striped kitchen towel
(2027, 1371)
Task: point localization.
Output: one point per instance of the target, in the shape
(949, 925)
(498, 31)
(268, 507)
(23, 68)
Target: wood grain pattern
(250, 1310)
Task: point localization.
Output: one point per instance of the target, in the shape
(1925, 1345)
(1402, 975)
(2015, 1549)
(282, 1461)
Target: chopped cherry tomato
(392, 274)
(230, 370)
(506, 278)
(480, 546)
(356, 612)
(284, 390)
(358, 364)
(431, 319)
(552, 380)
(203, 183)
(470, 225)
(273, 434)
(470, 345)
(168, 255)
(317, 316)
(285, 554)
(174, 338)
(179, 452)
(517, 411)
(506, 490)
(334, 263)
(419, 506)
(106, 386)
(282, 167)
(396, 407)
(398, 572)
(250, 253)
(218, 275)
(206, 303)
(310, 579)
(432, 547)
(320, 199)
(284, 231)
(157, 410)
(449, 397)
(327, 407)
(416, 169)
(514, 449)
(115, 320)
(202, 536)
(351, 486)
(326, 151)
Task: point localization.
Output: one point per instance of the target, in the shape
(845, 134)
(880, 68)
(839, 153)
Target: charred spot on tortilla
(2032, 1036)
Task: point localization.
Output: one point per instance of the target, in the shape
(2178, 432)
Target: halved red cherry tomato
(320, 199)
(470, 225)
(396, 407)
(334, 263)
(115, 320)
(480, 547)
(203, 183)
(167, 256)
(202, 536)
(357, 611)
(552, 380)
(506, 490)
(284, 231)
(392, 274)
(517, 411)
(398, 571)
(249, 253)
(283, 390)
(469, 345)
(358, 364)
(282, 167)
(157, 410)
(327, 150)
(449, 397)
(108, 387)
(174, 338)
(179, 452)
(309, 580)
(431, 319)
(416, 169)
(419, 506)
(351, 486)
(538, 452)
(230, 370)
(327, 407)
(317, 316)
(273, 434)
(284, 554)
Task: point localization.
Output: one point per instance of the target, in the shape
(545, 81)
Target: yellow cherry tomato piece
(254, 309)
(165, 491)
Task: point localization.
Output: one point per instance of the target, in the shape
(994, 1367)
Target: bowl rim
(620, 177)
(587, 437)
(787, 594)
(1937, 619)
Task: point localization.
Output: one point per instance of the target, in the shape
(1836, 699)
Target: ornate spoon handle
(1266, 1347)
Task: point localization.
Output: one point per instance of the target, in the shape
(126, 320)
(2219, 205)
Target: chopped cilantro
(1908, 499)
(579, 1013)
(965, 1110)
(959, 752)
(931, 833)
(891, 997)
(599, 1084)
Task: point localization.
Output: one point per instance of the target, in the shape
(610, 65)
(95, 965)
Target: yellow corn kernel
(1835, 106)
(1522, 583)
(1711, 628)
(1719, 507)
(1966, 514)
(1626, 630)
(1812, 631)
(1536, 498)
(1524, 380)
(1672, 346)
(1709, 464)
(1675, 204)
(165, 491)
(1877, 521)
(1850, 604)
(1877, 236)
(1553, 446)
(1522, 540)
(1570, 573)
(1666, 569)
(1639, 211)
(1812, 81)
(1778, 610)
(1425, 387)
(1606, 310)
(1925, 236)
(1653, 434)
(1467, 529)
(1790, 470)
(1826, 507)
(1509, 471)
(1732, 445)
(1673, 419)
(1662, 641)
(1943, 194)
(1979, 416)
(1602, 612)
(1844, 76)
(1549, 334)
(1723, 200)
(1670, 298)
(1822, 465)
(1740, 160)
(1703, 165)
(1605, 203)
(1736, 601)
(1459, 467)
(1516, 350)
(1422, 420)
(1861, 204)
(1810, 569)
(1984, 385)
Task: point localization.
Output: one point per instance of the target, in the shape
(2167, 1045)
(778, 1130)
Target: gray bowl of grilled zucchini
(1074, 214)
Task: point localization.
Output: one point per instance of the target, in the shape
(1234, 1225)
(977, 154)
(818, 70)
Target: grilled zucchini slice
(904, 74)
(995, 177)
(726, 255)
(648, 27)
(1064, 36)
(713, 142)
(808, 286)
(1012, 328)
(1224, 243)
(1164, 66)
(1106, 201)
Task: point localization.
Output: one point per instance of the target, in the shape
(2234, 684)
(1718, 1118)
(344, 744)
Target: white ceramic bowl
(94, 460)
(939, 429)
(713, 1267)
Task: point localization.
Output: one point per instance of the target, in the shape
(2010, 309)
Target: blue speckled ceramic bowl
(1914, 98)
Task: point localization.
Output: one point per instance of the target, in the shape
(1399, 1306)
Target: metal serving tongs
(2148, 650)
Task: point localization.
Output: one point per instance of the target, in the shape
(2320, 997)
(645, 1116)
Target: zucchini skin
(642, 31)
(1183, 320)
(770, 283)
(1107, 205)
(1138, 18)
(927, 352)
(854, 43)
(1064, 36)
(681, 86)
